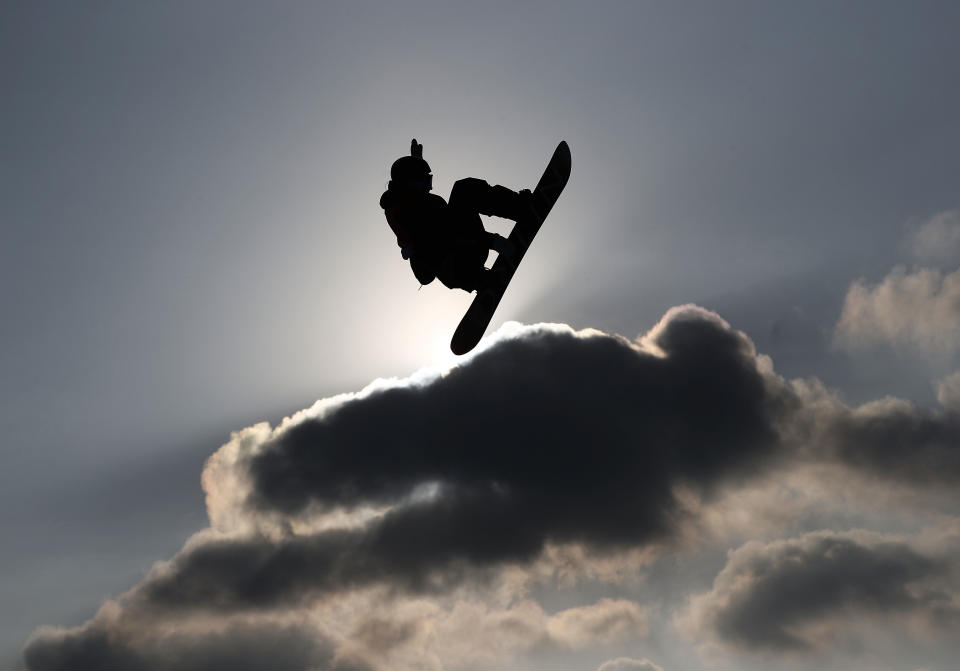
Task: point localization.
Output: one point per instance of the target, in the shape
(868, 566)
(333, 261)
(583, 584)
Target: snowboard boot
(525, 202)
(492, 278)
(501, 245)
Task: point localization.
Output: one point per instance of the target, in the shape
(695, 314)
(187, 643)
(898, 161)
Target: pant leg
(475, 195)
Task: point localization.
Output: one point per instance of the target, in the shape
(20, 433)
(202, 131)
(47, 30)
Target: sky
(716, 420)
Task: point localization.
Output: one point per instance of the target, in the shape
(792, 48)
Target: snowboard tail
(548, 189)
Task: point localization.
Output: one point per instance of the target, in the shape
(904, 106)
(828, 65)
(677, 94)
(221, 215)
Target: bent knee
(468, 192)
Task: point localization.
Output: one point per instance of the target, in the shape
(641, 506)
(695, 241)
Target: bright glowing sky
(191, 241)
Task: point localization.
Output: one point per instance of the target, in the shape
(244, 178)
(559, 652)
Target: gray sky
(191, 244)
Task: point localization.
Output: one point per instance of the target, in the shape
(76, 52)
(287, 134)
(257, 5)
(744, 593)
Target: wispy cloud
(915, 310)
(629, 664)
(936, 241)
(912, 309)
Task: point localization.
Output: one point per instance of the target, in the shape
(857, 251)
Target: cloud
(109, 644)
(948, 391)
(809, 594)
(403, 526)
(418, 489)
(629, 664)
(936, 241)
(917, 311)
(360, 632)
(607, 621)
(588, 417)
(549, 437)
(889, 437)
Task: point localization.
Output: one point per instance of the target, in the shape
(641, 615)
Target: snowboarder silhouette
(447, 240)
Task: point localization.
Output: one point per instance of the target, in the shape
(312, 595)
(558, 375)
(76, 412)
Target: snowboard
(478, 316)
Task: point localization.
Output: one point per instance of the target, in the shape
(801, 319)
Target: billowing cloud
(552, 427)
(811, 593)
(549, 437)
(415, 489)
(404, 526)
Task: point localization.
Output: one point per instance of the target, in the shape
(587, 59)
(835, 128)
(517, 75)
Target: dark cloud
(778, 596)
(902, 442)
(110, 645)
(890, 438)
(573, 437)
(547, 438)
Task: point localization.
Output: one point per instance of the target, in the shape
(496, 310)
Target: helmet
(409, 168)
(411, 172)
